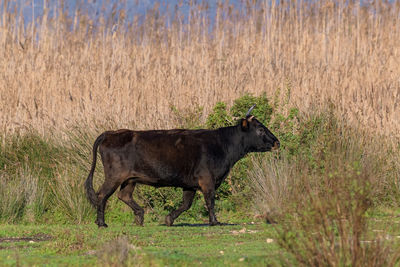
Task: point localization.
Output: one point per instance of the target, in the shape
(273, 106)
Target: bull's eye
(260, 131)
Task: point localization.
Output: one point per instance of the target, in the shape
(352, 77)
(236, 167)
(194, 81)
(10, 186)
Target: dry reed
(60, 71)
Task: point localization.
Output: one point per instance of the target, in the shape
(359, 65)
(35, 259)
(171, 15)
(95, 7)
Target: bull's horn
(250, 110)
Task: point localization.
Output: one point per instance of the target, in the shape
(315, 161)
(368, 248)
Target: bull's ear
(245, 124)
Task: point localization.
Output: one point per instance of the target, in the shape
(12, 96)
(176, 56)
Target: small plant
(118, 252)
(272, 179)
(69, 195)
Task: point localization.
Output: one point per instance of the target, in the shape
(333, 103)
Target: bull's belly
(167, 182)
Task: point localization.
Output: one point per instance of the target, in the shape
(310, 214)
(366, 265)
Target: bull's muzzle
(276, 145)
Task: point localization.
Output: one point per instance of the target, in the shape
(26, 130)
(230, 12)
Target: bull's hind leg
(125, 194)
(188, 196)
(105, 191)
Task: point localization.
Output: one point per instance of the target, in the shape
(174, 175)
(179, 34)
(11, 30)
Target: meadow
(325, 76)
(154, 245)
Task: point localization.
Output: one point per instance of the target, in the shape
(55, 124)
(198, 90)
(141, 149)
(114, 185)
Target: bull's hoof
(139, 220)
(169, 221)
(102, 225)
(214, 223)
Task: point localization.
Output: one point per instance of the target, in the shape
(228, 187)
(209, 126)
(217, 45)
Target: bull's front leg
(207, 186)
(209, 197)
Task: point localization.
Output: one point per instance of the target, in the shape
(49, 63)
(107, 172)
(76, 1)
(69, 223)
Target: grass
(242, 243)
(152, 245)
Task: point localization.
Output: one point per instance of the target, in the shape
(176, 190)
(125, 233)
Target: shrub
(320, 195)
(326, 224)
(286, 127)
(219, 117)
(262, 111)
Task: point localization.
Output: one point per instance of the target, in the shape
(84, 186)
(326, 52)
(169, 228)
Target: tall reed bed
(65, 69)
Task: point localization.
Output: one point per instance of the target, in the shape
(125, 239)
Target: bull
(190, 159)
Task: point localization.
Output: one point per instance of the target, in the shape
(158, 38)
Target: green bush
(293, 136)
(219, 117)
(263, 110)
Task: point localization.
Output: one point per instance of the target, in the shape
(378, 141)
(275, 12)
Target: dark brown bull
(190, 159)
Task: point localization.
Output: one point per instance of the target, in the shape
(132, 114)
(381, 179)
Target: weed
(118, 252)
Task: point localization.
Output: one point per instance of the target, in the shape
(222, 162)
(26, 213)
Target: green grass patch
(197, 244)
(180, 245)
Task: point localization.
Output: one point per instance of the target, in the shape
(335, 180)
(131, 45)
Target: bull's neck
(233, 139)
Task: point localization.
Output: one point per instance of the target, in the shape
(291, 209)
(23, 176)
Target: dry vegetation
(322, 198)
(61, 70)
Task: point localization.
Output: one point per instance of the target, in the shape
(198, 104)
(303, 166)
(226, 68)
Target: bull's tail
(91, 194)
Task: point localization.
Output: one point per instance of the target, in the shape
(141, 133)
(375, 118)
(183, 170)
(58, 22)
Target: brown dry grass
(100, 72)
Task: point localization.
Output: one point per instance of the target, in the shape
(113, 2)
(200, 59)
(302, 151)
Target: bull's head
(259, 138)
